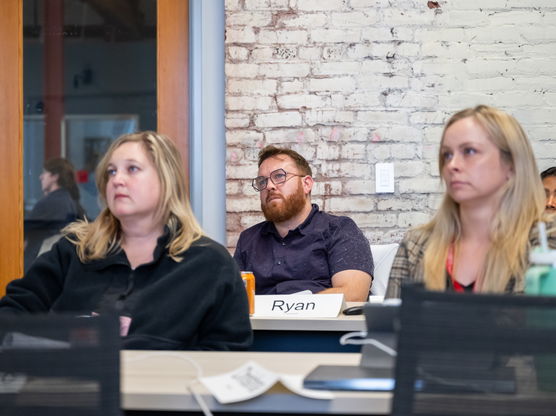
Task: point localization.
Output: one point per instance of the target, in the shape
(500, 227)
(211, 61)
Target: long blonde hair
(522, 204)
(101, 237)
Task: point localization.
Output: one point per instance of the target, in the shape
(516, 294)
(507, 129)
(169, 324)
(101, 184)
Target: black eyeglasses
(277, 177)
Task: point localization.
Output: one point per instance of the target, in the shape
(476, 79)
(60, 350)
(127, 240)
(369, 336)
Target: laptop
(375, 371)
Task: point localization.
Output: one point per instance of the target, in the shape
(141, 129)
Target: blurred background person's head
(548, 177)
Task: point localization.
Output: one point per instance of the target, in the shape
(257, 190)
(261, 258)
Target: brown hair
(271, 151)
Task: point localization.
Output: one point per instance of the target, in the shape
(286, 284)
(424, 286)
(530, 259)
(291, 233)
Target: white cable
(346, 339)
(198, 398)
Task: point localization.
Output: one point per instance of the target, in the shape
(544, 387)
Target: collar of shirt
(269, 228)
(119, 257)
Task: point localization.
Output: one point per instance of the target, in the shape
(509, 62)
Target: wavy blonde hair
(522, 204)
(97, 239)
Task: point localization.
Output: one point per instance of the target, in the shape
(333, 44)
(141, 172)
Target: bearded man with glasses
(299, 247)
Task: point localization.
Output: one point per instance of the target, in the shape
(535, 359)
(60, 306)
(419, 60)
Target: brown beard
(291, 206)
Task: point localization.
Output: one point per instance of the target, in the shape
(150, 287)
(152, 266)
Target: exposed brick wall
(349, 83)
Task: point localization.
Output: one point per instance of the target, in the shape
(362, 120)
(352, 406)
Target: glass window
(89, 76)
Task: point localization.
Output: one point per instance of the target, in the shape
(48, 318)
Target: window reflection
(89, 76)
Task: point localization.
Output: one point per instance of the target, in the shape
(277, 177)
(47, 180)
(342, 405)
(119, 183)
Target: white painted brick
(475, 18)
(234, 120)
(238, 53)
(290, 135)
(409, 169)
(406, 151)
(251, 18)
(336, 68)
(303, 21)
(233, 187)
(428, 117)
(328, 187)
(232, 5)
(398, 71)
(433, 134)
(406, 49)
(293, 86)
(284, 70)
(351, 134)
(379, 152)
(347, 169)
(396, 17)
(236, 137)
(411, 99)
(353, 151)
(353, 204)
(381, 34)
(418, 185)
(263, 54)
(321, 5)
(266, 4)
(366, 4)
(375, 66)
(282, 36)
(250, 220)
(240, 35)
(313, 117)
(359, 187)
(284, 53)
(381, 82)
(403, 134)
(310, 53)
(351, 19)
(344, 84)
(249, 103)
(234, 155)
(454, 34)
(412, 219)
(381, 118)
(255, 87)
(330, 152)
(335, 35)
(291, 101)
(363, 99)
(239, 172)
(282, 119)
(375, 220)
(395, 203)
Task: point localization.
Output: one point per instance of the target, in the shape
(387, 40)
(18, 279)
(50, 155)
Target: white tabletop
(158, 381)
(340, 323)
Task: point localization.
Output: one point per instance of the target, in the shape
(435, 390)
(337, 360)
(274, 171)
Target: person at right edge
(479, 239)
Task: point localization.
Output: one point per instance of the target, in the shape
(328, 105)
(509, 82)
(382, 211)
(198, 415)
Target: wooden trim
(173, 74)
(11, 143)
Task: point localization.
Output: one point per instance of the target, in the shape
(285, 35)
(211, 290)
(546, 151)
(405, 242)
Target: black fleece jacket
(198, 303)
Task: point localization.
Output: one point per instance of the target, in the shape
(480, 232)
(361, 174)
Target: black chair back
(59, 365)
(475, 354)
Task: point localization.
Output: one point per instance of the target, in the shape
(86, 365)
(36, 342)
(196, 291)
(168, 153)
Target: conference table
(154, 382)
(305, 334)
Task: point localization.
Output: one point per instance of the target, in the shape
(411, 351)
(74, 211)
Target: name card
(299, 306)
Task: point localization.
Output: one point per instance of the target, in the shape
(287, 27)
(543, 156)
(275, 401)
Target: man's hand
(354, 284)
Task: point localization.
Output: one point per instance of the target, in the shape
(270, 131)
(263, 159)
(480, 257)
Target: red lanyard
(458, 287)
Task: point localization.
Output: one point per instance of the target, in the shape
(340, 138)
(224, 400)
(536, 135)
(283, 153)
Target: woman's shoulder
(416, 237)
(209, 246)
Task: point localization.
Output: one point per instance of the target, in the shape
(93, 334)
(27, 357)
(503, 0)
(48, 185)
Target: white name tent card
(299, 306)
(251, 380)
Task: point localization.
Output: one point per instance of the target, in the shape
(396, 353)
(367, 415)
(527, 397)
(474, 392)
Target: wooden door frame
(172, 113)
